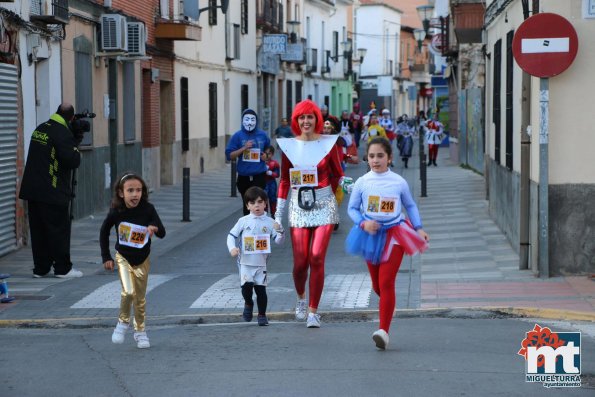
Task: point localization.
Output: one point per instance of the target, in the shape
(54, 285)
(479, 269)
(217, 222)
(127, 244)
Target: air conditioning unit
(136, 38)
(113, 32)
(49, 11)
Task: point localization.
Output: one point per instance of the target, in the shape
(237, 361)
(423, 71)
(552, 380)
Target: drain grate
(32, 297)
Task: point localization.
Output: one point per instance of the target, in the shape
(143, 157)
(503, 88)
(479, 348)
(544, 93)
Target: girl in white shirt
(381, 234)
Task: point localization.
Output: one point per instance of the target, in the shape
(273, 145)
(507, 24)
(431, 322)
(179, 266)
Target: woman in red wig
(307, 164)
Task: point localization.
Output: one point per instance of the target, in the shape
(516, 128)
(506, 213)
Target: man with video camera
(46, 185)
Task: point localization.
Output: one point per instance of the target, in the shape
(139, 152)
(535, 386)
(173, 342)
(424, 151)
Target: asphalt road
(467, 356)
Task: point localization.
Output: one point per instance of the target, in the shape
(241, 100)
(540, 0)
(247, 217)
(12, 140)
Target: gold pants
(134, 281)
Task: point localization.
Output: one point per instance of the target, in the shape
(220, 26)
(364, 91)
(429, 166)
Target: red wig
(306, 107)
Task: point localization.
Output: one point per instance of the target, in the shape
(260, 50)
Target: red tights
(433, 152)
(309, 251)
(383, 282)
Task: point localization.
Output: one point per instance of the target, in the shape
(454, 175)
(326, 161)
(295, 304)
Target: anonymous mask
(249, 122)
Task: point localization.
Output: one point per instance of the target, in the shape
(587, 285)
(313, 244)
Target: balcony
(177, 30)
(49, 11)
(420, 73)
(269, 16)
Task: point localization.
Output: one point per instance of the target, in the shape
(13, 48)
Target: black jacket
(53, 154)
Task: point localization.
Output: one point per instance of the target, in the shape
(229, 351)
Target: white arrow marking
(537, 46)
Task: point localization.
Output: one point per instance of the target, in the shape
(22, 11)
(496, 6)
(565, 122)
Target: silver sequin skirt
(325, 211)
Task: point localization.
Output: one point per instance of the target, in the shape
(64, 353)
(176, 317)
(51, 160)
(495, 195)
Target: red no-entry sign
(545, 45)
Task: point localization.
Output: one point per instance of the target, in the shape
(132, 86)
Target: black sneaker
(247, 314)
(263, 320)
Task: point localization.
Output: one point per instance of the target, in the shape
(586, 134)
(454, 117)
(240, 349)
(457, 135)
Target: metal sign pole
(543, 262)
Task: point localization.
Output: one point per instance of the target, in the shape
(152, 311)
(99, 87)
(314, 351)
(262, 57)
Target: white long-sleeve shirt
(381, 197)
(248, 226)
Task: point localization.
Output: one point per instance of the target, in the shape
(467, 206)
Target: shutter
(8, 160)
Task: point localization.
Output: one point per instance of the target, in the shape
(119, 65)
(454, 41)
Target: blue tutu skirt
(376, 248)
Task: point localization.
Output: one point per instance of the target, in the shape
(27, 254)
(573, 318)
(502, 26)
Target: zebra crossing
(341, 291)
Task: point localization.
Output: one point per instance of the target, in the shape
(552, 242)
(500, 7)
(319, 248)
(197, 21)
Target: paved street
(460, 318)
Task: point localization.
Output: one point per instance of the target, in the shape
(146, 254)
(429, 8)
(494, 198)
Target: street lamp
(425, 13)
(361, 52)
(419, 35)
(292, 29)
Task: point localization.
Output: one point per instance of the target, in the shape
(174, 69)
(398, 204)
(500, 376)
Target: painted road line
(346, 291)
(108, 296)
(224, 294)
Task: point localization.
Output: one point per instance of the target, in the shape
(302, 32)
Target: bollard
(234, 192)
(186, 194)
(422, 164)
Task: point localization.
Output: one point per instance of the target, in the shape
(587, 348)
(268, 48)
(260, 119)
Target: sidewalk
(470, 264)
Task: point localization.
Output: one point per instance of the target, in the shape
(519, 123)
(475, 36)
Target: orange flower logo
(540, 337)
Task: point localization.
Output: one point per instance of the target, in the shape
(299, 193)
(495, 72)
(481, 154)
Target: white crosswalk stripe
(341, 291)
(224, 294)
(346, 291)
(108, 296)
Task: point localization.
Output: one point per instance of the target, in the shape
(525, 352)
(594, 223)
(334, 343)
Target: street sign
(437, 44)
(274, 43)
(545, 45)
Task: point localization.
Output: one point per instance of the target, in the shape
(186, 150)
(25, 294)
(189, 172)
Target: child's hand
(109, 265)
(277, 226)
(234, 252)
(371, 227)
(424, 235)
(152, 230)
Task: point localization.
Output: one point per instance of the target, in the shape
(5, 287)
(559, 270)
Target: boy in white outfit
(250, 241)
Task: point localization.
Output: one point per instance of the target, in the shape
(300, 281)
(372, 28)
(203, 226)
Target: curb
(331, 316)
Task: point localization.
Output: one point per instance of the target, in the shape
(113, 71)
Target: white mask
(249, 122)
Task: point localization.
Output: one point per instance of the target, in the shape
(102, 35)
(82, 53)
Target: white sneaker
(380, 337)
(313, 320)
(142, 340)
(301, 310)
(119, 332)
(73, 273)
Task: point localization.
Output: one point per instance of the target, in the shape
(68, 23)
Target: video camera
(79, 125)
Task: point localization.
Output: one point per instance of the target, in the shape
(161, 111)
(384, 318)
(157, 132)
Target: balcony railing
(49, 11)
(269, 16)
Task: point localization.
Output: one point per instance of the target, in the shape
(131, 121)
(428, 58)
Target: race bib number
(132, 235)
(303, 177)
(251, 155)
(257, 244)
(378, 205)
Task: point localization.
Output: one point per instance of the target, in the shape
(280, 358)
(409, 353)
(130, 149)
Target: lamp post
(425, 13)
(292, 29)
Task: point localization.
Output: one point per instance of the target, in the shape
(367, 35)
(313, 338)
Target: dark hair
(66, 110)
(254, 193)
(117, 201)
(270, 149)
(382, 141)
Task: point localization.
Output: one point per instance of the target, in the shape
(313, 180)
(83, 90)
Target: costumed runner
(307, 165)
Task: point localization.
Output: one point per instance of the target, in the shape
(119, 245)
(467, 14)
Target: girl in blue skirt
(382, 234)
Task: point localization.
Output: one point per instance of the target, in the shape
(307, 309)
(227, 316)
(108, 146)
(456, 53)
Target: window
(184, 114)
(129, 102)
(244, 17)
(509, 88)
(335, 44)
(83, 49)
(298, 93)
(212, 12)
(288, 98)
(236, 41)
(496, 98)
(244, 96)
(213, 115)
(313, 64)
